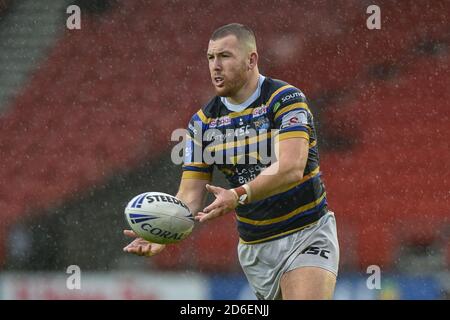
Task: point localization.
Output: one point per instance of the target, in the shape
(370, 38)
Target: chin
(224, 91)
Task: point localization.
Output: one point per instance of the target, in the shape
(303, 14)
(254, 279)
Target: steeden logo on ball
(159, 217)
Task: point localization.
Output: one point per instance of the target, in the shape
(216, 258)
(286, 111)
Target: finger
(130, 246)
(147, 249)
(212, 189)
(209, 216)
(216, 204)
(131, 250)
(142, 250)
(199, 215)
(130, 233)
(153, 249)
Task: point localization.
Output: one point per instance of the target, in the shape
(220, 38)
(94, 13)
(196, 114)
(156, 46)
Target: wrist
(236, 196)
(243, 194)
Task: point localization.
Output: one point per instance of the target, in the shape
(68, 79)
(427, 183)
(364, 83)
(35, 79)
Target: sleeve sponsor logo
(294, 118)
(291, 96)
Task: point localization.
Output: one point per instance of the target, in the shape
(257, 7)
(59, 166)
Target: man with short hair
(288, 246)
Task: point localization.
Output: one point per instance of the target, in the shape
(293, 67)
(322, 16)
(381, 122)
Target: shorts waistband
(314, 219)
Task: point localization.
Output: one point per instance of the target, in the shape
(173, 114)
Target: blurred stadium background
(86, 117)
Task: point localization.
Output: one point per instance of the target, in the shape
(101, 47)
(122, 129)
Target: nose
(216, 64)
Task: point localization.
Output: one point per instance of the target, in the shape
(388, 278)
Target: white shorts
(265, 263)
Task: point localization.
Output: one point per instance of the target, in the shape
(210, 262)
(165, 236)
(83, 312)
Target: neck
(247, 90)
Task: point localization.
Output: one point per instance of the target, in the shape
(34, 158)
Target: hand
(226, 201)
(142, 247)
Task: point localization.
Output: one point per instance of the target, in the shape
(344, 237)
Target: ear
(253, 60)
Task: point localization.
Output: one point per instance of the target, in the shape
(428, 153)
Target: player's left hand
(140, 246)
(225, 202)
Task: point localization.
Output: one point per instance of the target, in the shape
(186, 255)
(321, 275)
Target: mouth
(219, 81)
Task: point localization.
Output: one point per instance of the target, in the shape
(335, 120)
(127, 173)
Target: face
(227, 65)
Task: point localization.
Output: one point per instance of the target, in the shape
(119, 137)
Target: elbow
(297, 175)
(293, 175)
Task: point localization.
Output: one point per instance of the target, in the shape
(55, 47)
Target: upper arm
(294, 122)
(196, 173)
(194, 166)
(293, 154)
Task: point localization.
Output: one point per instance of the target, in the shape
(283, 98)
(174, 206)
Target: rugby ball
(159, 217)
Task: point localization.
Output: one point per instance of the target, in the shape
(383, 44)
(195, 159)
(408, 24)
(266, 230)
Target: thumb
(130, 233)
(157, 248)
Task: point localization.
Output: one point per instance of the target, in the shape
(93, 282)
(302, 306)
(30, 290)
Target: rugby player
(288, 246)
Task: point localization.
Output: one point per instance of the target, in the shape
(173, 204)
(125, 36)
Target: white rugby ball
(159, 217)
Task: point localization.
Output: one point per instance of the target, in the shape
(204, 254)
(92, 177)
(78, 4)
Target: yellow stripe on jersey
(235, 159)
(298, 105)
(285, 217)
(196, 164)
(231, 115)
(196, 175)
(239, 143)
(293, 134)
(277, 92)
(203, 117)
(313, 144)
(242, 113)
(277, 235)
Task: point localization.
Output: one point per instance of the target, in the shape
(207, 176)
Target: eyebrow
(220, 52)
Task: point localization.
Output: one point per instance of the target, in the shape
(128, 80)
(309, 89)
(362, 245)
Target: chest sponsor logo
(261, 123)
(220, 122)
(228, 134)
(259, 111)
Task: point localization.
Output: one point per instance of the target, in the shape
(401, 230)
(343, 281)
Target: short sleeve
(291, 114)
(193, 165)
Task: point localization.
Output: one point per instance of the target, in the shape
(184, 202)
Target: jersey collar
(246, 103)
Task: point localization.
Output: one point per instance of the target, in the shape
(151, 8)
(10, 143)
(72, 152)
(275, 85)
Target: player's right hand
(142, 247)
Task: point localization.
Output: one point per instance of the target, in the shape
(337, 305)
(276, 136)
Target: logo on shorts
(316, 251)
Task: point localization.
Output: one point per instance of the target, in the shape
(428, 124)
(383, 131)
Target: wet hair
(243, 33)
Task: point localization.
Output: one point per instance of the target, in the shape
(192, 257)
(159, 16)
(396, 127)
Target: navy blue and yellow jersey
(241, 145)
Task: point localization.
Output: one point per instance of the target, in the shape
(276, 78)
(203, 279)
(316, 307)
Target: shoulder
(208, 111)
(276, 91)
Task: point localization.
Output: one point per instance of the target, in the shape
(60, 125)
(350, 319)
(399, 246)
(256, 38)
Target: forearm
(193, 193)
(194, 203)
(282, 175)
(274, 180)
